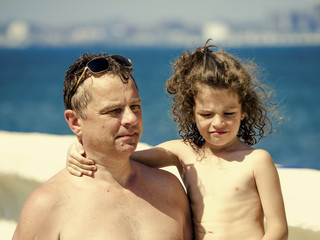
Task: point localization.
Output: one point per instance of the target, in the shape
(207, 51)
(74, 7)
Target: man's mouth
(127, 135)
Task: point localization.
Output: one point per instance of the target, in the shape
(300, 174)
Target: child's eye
(229, 113)
(205, 114)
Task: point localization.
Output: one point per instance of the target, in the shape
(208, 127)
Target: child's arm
(160, 156)
(77, 164)
(269, 189)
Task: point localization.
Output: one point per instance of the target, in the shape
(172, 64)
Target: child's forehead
(209, 96)
(217, 101)
(212, 90)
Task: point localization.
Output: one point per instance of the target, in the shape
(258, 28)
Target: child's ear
(193, 115)
(73, 121)
(243, 115)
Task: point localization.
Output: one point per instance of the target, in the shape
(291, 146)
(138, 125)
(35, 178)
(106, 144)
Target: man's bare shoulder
(48, 193)
(161, 179)
(153, 173)
(41, 203)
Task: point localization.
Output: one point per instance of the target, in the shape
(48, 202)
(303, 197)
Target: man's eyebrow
(135, 100)
(109, 107)
(119, 105)
(114, 105)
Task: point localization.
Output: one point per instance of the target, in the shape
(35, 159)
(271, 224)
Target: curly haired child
(219, 108)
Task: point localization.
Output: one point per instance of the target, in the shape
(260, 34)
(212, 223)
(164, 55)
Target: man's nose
(128, 117)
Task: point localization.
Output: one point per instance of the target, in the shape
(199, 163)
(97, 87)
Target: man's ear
(73, 121)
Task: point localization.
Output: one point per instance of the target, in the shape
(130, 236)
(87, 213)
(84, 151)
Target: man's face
(114, 117)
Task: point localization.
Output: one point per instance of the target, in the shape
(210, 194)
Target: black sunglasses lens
(121, 60)
(98, 65)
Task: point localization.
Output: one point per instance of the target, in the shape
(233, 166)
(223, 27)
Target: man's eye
(113, 111)
(136, 107)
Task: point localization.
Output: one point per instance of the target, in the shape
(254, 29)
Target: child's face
(218, 115)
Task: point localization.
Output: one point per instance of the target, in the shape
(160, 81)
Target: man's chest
(120, 218)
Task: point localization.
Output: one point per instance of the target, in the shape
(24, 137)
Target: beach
(29, 159)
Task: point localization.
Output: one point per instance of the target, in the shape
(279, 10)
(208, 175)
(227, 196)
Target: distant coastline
(295, 27)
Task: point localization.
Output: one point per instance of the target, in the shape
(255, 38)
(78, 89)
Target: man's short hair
(79, 99)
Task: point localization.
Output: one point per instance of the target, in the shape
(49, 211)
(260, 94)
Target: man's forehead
(108, 81)
(113, 89)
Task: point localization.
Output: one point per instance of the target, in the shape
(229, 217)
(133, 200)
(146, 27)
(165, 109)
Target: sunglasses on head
(100, 65)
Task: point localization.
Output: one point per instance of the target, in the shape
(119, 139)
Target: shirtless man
(124, 199)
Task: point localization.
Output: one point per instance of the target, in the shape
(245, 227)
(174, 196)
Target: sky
(69, 12)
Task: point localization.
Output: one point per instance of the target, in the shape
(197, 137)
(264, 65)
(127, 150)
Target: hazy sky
(66, 12)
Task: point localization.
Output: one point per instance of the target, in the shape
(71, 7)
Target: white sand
(39, 156)
(301, 193)
(34, 155)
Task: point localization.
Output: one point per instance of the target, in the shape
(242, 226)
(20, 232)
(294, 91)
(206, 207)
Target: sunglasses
(100, 65)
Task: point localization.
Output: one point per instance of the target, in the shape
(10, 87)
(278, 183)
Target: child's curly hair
(222, 71)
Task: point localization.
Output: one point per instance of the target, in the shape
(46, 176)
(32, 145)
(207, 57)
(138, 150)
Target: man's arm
(177, 196)
(37, 220)
(269, 188)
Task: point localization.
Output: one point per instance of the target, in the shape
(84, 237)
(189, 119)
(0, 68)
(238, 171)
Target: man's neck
(111, 168)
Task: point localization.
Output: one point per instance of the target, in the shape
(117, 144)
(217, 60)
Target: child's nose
(217, 121)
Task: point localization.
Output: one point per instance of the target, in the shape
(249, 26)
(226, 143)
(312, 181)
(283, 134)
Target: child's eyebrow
(231, 107)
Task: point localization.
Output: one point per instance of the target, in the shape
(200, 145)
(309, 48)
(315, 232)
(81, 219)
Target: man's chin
(129, 144)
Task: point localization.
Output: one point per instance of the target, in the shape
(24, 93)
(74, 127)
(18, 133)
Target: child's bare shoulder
(261, 159)
(260, 153)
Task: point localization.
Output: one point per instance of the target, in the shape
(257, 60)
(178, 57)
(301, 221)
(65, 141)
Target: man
(124, 199)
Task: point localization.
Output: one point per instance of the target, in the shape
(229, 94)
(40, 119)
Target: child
(232, 187)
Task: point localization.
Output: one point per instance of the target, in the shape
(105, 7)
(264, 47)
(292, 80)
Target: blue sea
(31, 83)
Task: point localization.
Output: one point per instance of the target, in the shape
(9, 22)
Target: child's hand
(77, 164)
